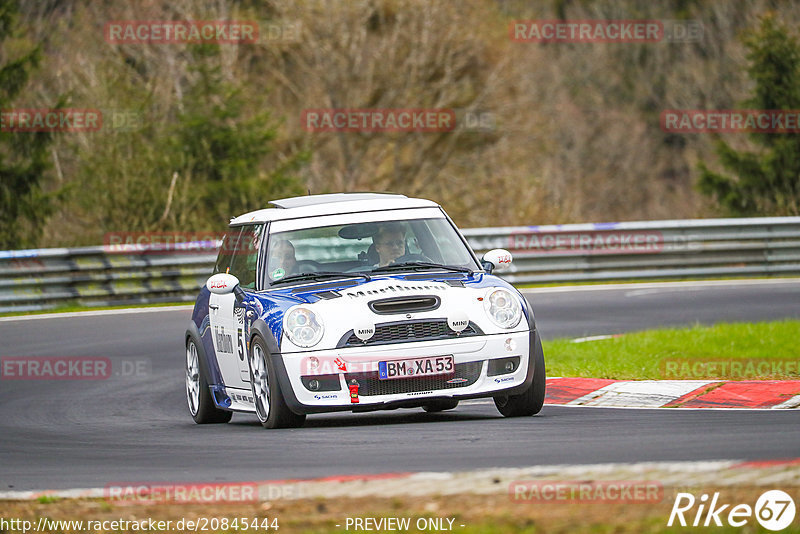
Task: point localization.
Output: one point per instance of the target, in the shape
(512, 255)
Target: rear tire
(440, 406)
(198, 395)
(530, 401)
(271, 407)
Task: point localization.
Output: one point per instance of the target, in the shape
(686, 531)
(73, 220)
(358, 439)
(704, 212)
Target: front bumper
(471, 356)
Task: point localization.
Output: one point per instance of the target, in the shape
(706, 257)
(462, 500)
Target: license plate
(435, 365)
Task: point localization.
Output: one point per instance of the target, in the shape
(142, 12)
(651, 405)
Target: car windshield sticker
(278, 273)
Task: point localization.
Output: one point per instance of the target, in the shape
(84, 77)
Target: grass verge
(731, 351)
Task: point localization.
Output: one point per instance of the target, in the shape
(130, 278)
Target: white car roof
(332, 204)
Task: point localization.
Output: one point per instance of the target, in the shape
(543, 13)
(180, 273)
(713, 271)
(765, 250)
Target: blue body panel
(201, 320)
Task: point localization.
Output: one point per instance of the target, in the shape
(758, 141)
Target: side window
(225, 254)
(245, 257)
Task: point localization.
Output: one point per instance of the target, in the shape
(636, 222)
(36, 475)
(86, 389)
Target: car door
(226, 322)
(231, 334)
(221, 317)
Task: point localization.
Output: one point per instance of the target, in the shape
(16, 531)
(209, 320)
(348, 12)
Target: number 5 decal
(240, 341)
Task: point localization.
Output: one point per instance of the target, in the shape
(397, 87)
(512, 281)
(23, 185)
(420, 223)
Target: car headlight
(503, 308)
(303, 326)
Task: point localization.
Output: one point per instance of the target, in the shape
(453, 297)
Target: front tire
(198, 395)
(530, 401)
(271, 407)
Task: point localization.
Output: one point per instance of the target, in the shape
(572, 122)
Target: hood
(357, 308)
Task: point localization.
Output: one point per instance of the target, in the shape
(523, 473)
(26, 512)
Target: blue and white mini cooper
(357, 302)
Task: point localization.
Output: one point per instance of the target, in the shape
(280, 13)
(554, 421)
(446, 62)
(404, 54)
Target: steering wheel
(362, 267)
(405, 258)
(306, 266)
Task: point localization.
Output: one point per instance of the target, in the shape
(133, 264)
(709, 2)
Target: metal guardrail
(699, 248)
(705, 248)
(92, 276)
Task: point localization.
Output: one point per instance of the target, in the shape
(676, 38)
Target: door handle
(213, 306)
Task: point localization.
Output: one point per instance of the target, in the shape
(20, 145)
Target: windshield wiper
(320, 274)
(420, 264)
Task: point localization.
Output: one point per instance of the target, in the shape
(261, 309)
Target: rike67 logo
(774, 510)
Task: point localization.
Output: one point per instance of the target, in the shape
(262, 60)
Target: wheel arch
(214, 375)
(261, 329)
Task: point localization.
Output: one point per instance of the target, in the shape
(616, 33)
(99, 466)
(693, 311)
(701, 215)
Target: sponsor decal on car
(457, 380)
(241, 398)
(224, 340)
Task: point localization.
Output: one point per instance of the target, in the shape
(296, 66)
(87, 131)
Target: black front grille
(465, 375)
(397, 305)
(405, 331)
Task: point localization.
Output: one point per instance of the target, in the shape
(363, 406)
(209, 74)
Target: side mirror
(497, 258)
(224, 283)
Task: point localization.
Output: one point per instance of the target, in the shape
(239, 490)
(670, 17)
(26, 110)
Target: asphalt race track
(135, 427)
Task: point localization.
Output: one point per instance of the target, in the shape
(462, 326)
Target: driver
(390, 243)
(282, 260)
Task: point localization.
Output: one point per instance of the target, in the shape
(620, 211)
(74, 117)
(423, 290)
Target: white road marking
(594, 338)
(793, 402)
(641, 393)
(662, 285)
(95, 313)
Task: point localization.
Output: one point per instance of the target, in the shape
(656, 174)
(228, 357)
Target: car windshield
(366, 247)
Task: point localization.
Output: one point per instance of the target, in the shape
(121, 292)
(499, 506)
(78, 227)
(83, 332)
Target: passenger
(282, 260)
